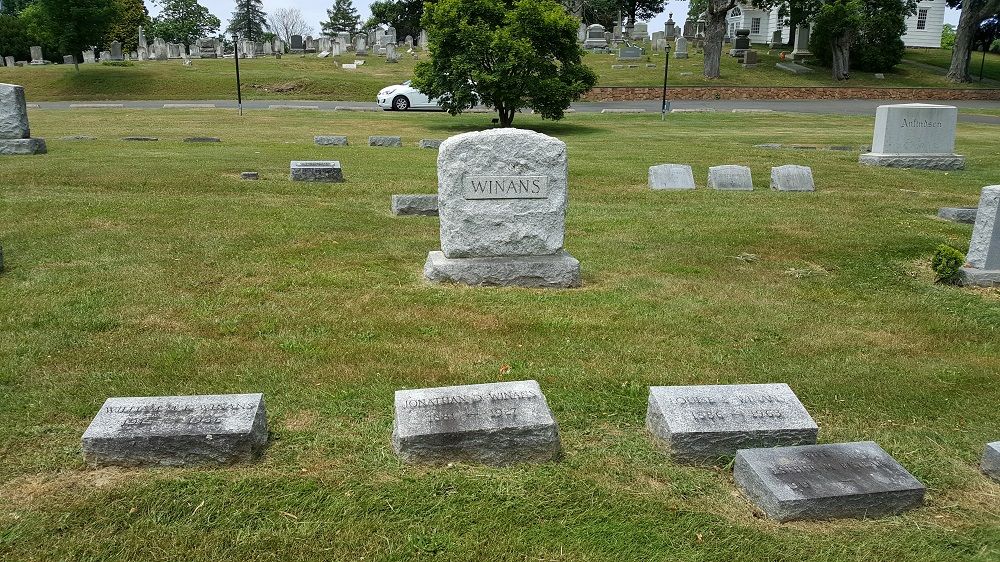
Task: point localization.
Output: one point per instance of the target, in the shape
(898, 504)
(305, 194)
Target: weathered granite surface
(982, 267)
(704, 423)
(730, 178)
(330, 140)
(422, 204)
(316, 171)
(559, 271)
(914, 135)
(431, 143)
(496, 424)
(385, 141)
(13, 113)
(671, 176)
(965, 215)
(814, 482)
(177, 431)
(914, 161)
(792, 178)
(990, 464)
(22, 147)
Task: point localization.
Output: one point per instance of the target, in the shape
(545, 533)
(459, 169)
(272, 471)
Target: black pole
(666, 65)
(236, 55)
(982, 64)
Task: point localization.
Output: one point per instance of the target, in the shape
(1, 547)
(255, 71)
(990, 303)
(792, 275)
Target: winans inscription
(505, 187)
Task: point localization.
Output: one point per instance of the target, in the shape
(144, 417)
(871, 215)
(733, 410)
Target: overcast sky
(314, 11)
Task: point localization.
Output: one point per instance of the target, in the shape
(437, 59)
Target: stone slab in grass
(730, 178)
(22, 147)
(495, 424)
(982, 267)
(316, 171)
(794, 68)
(202, 139)
(422, 204)
(701, 424)
(141, 139)
(330, 140)
(990, 464)
(385, 141)
(671, 176)
(832, 481)
(431, 143)
(792, 178)
(177, 431)
(966, 215)
(557, 271)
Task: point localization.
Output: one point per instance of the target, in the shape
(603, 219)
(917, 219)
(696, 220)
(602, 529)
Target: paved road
(855, 107)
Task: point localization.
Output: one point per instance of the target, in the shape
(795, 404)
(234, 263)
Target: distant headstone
(965, 215)
(361, 45)
(329, 140)
(982, 267)
(296, 45)
(431, 143)
(207, 48)
(502, 197)
(415, 205)
(915, 135)
(640, 31)
(495, 424)
(202, 139)
(310, 44)
(10, 60)
(174, 50)
(669, 28)
(385, 141)
(116, 51)
(36, 55)
(681, 51)
(800, 50)
(701, 424)
(990, 465)
(750, 59)
(15, 134)
(422, 39)
(629, 53)
(69, 59)
(249, 175)
(742, 42)
(390, 53)
(816, 482)
(105, 56)
(177, 431)
(595, 37)
(776, 41)
(730, 178)
(159, 49)
(316, 171)
(194, 51)
(792, 178)
(671, 176)
(349, 66)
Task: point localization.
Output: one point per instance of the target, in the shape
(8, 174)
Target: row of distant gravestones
(777, 465)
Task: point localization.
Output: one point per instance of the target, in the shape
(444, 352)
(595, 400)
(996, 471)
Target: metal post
(236, 55)
(666, 65)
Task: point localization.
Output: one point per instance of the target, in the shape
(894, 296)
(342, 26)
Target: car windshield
(407, 83)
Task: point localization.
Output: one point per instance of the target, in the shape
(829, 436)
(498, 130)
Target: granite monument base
(990, 465)
(557, 271)
(974, 277)
(22, 147)
(421, 205)
(945, 162)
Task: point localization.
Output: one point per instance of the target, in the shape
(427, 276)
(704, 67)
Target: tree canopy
(183, 21)
(75, 24)
(128, 16)
(343, 17)
(508, 57)
(403, 15)
(974, 14)
(249, 21)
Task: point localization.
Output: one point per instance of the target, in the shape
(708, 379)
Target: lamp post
(236, 55)
(666, 65)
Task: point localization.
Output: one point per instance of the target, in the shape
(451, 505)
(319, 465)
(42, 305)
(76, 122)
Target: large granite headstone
(15, 135)
(730, 178)
(982, 263)
(671, 176)
(177, 431)
(116, 52)
(915, 135)
(990, 465)
(792, 178)
(814, 482)
(595, 37)
(36, 55)
(502, 199)
(701, 424)
(496, 424)
(681, 48)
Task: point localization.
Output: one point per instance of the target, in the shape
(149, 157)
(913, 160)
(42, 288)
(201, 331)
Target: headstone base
(965, 215)
(318, 171)
(973, 277)
(558, 271)
(423, 205)
(916, 161)
(20, 147)
(990, 465)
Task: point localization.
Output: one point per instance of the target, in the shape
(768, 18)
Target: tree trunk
(973, 13)
(841, 47)
(506, 116)
(715, 30)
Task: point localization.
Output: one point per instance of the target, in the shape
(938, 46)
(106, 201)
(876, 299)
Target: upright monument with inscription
(177, 431)
(701, 424)
(496, 424)
(502, 198)
(915, 135)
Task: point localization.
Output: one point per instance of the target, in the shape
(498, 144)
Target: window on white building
(755, 25)
(922, 19)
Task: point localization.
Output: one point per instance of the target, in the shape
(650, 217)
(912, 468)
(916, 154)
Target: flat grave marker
(671, 176)
(990, 464)
(730, 178)
(316, 171)
(792, 178)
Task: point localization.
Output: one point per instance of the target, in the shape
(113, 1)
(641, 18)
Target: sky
(314, 11)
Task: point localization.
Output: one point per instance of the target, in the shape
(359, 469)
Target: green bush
(946, 263)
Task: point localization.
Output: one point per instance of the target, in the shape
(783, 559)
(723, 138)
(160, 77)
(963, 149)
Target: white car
(404, 96)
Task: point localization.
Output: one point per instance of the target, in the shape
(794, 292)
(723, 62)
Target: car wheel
(400, 103)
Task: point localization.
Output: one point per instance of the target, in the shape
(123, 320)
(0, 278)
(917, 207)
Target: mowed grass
(309, 78)
(138, 269)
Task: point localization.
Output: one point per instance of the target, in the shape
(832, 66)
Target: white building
(922, 29)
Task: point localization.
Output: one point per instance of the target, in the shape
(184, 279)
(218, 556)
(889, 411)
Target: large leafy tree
(403, 15)
(635, 10)
(875, 29)
(715, 30)
(343, 17)
(837, 24)
(506, 56)
(129, 15)
(13, 7)
(249, 21)
(14, 38)
(183, 21)
(974, 13)
(77, 24)
(285, 22)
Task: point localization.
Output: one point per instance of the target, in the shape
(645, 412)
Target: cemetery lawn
(942, 58)
(308, 78)
(150, 268)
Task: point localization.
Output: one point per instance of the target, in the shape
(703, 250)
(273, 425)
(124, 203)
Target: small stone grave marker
(249, 175)
(990, 465)
(495, 424)
(425, 205)
(330, 140)
(840, 480)
(202, 139)
(671, 176)
(965, 215)
(701, 424)
(431, 143)
(982, 267)
(730, 178)
(385, 141)
(177, 431)
(792, 178)
(915, 135)
(316, 171)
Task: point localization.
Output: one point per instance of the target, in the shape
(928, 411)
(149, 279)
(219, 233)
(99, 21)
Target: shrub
(946, 263)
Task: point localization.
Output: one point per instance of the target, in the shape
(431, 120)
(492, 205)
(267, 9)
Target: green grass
(942, 58)
(151, 269)
(310, 78)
